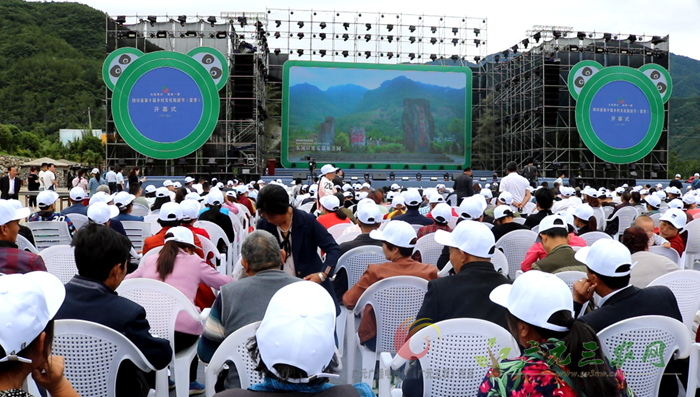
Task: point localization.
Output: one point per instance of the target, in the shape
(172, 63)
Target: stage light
(477, 31)
(162, 34)
(412, 28)
(433, 29)
(211, 20)
(368, 37)
(221, 35)
(477, 58)
(556, 34)
(477, 42)
(607, 37)
(367, 54)
(419, 176)
(455, 31)
(366, 176)
(322, 52)
(390, 38)
(345, 37)
(497, 58)
(323, 25)
(433, 41)
(152, 19)
(345, 54)
(277, 51)
(608, 166)
(412, 39)
(657, 40)
(392, 176)
(599, 50)
(300, 52)
(624, 51)
(632, 38)
(182, 19)
(368, 26)
(433, 57)
(581, 35)
(537, 36)
(404, 178)
(277, 35)
(505, 54)
(454, 58)
(412, 56)
(300, 24)
(241, 20)
(300, 35)
(526, 42)
(433, 178)
(120, 20)
(131, 35)
(278, 23)
(446, 176)
(346, 25)
(455, 42)
(390, 27)
(322, 36)
(389, 55)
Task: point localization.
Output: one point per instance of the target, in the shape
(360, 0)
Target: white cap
(167, 183)
(678, 175)
(675, 203)
(428, 193)
(346, 187)
(177, 185)
(190, 210)
(471, 237)
(123, 199)
(653, 200)
(689, 199)
(101, 213)
(398, 233)
(229, 183)
(95, 171)
(605, 258)
(77, 194)
(470, 209)
(330, 202)
(46, 198)
(624, 185)
(676, 217)
(660, 194)
(369, 214)
(440, 186)
(260, 182)
(502, 211)
(100, 197)
(297, 330)
(313, 188)
(673, 190)
(348, 194)
(360, 195)
(505, 198)
(220, 185)
(436, 198)
(567, 216)
(27, 303)
(162, 192)
(9, 213)
(395, 187)
(659, 185)
(534, 297)
(553, 222)
(398, 199)
(327, 169)
(644, 192)
(215, 196)
(366, 186)
(241, 189)
(180, 234)
(412, 197)
(442, 213)
(487, 193)
(583, 212)
(189, 179)
(150, 189)
(170, 212)
(193, 196)
(231, 193)
(619, 190)
(357, 186)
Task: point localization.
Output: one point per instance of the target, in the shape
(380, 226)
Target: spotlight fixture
(182, 19)
(455, 41)
(419, 176)
(211, 20)
(323, 25)
(477, 31)
(345, 37)
(390, 38)
(392, 176)
(477, 58)
(131, 35)
(300, 52)
(162, 34)
(632, 38)
(221, 34)
(505, 54)
(241, 20)
(433, 57)
(389, 55)
(368, 37)
(515, 49)
(477, 42)
(346, 25)
(455, 31)
(581, 35)
(433, 41)
(556, 34)
(412, 39)
(537, 36)
(120, 20)
(277, 35)
(607, 37)
(277, 51)
(496, 58)
(367, 54)
(278, 23)
(526, 42)
(454, 58)
(152, 19)
(322, 52)
(657, 40)
(300, 35)
(412, 56)
(345, 54)
(433, 29)
(368, 26)
(390, 27)
(300, 24)
(322, 36)
(412, 28)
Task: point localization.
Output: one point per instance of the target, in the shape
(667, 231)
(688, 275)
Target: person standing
(326, 185)
(44, 167)
(10, 184)
(530, 172)
(676, 182)
(120, 179)
(33, 184)
(463, 184)
(515, 185)
(49, 177)
(111, 178)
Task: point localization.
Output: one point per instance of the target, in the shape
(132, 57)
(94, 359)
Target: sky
(323, 78)
(507, 20)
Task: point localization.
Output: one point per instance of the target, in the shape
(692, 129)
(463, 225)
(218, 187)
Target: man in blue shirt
(412, 216)
(125, 202)
(77, 195)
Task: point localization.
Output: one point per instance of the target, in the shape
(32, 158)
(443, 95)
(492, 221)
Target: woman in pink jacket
(178, 265)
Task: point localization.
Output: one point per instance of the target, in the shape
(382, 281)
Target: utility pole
(89, 121)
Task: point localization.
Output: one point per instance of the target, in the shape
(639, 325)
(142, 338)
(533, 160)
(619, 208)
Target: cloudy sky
(507, 19)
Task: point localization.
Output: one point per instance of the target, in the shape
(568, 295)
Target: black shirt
(500, 230)
(33, 182)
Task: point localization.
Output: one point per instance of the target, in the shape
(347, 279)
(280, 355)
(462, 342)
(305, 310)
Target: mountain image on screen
(399, 118)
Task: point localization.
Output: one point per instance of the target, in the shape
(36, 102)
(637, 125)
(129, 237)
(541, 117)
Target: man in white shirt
(49, 177)
(111, 178)
(325, 185)
(560, 180)
(568, 200)
(515, 185)
(120, 180)
(44, 166)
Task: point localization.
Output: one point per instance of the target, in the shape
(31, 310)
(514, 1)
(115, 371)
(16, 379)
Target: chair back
(357, 260)
(500, 263)
(139, 210)
(536, 229)
(600, 216)
(209, 247)
(625, 218)
(78, 220)
(571, 277)
(137, 232)
(215, 231)
(685, 285)
(452, 354)
(416, 227)
(519, 220)
(26, 245)
(49, 233)
(515, 245)
(60, 261)
(670, 253)
(337, 230)
(608, 210)
(692, 247)
(151, 217)
(648, 335)
(93, 354)
(656, 218)
(233, 348)
(430, 249)
(151, 252)
(307, 207)
(592, 237)
(396, 302)
(344, 238)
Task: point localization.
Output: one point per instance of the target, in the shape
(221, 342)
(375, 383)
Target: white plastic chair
(519, 220)
(208, 246)
(642, 375)
(592, 237)
(656, 218)
(137, 232)
(217, 233)
(536, 229)
(307, 207)
(93, 354)
(49, 233)
(78, 220)
(139, 210)
(337, 230)
(515, 245)
(234, 349)
(692, 247)
(625, 218)
(685, 285)
(600, 217)
(670, 253)
(151, 217)
(693, 370)
(151, 252)
(416, 227)
(489, 225)
(571, 277)
(163, 303)
(451, 356)
(608, 210)
(395, 300)
(355, 262)
(26, 245)
(500, 263)
(347, 237)
(430, 250)
(60, 261)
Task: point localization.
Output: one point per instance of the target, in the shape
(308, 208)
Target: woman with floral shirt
(562, 356)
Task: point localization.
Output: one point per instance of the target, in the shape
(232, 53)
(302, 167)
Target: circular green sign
(165, 105)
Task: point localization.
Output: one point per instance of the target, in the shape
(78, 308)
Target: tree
(342, 140)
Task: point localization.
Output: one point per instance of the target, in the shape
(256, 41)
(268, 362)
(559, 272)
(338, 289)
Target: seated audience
(649, 266)
(190, 213)
(584, 219)
(503, 217)
(537, 252)
(12, 259)
(412, 216)
(646, 223)
(471, 208)
(545, 200)
(162, 196)
(672, 223)
(77, 195)
(125, 202)
(554, 236)
(330, 212)
(397, 207)
(213, 213)
(441, 215)
(46, 201)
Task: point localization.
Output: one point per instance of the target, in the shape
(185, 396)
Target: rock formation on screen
(326, 132)
(418, 125)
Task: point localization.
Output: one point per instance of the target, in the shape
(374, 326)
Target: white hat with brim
(77, 194)
(607, 257)
(328, 168)
(398, 233)
(471, 237)
(442, 213)
(101, 213)
(170, 212)
(46, 198)
(675, 217)
(9, 213)
(100, 197)
(180, 234)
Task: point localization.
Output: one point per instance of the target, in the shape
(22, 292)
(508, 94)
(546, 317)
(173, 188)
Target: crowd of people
(288, 279)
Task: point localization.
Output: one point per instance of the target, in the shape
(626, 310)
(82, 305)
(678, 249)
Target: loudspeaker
(299, 175)
(379, 176)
